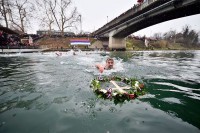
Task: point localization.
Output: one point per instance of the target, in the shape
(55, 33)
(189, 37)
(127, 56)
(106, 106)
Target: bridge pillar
(117, 43)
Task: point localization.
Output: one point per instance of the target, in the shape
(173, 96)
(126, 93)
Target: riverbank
(138, 45)
(63, 44)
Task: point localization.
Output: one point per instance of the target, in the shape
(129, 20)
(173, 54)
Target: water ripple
(37, 89)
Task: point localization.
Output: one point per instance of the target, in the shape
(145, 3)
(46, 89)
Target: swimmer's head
(109, 63)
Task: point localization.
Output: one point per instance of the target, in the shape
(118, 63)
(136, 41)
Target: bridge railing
(146, 3)
(121, 18)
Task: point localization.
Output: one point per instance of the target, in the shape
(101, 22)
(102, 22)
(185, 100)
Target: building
(55, 33)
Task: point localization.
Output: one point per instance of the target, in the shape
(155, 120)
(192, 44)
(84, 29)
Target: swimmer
(108, 66)
(58, 53)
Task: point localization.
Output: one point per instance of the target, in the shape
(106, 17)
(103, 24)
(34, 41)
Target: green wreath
(119, 94)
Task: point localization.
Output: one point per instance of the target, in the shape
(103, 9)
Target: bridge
(141, 16)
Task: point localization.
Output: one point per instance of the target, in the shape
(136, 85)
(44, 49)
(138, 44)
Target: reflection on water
(179, 55)
(45, 93)
(176, 98)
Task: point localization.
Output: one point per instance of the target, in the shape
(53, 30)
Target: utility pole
(80, 24)
(107, 19)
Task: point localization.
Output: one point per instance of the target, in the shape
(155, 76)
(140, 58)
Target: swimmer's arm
(97, 66)
(100, 67)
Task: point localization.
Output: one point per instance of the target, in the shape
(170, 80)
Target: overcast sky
(96, 13)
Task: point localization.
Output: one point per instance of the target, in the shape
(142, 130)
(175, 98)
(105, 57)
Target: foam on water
(118, 67)
(10, 55)
(88, 60)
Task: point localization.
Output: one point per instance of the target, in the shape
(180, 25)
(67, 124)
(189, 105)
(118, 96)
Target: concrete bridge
(149, 13)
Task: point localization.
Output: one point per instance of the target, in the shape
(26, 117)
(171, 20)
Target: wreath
(133, 89)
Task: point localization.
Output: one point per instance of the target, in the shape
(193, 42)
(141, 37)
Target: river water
(46, 93)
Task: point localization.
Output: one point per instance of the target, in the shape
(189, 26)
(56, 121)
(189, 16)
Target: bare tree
(64, 17)
(46, 17)
(157, 36)
(4, 10)
(190, 37)
(170, 35)
(20, 14)
(186, 30)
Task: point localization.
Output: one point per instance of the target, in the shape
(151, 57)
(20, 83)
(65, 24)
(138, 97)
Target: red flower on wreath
(132, 96)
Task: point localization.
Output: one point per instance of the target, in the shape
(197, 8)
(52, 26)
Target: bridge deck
(141, 16)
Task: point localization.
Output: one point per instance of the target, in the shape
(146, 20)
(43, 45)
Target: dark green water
(43, 93)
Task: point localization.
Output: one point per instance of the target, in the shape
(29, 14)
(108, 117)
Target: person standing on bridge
(140, 1)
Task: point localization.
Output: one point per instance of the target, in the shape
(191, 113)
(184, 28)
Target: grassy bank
(54, 43)
(138, 45)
